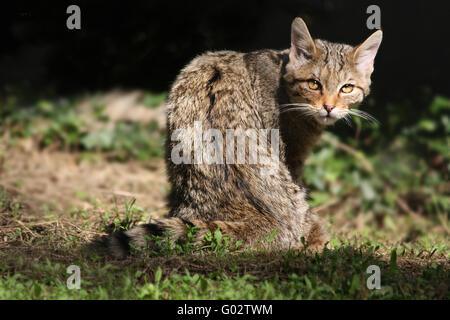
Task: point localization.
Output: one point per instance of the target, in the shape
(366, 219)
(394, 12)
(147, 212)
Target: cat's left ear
(364, 54)
(302, 45)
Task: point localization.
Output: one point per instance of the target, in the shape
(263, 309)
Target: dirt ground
(63, 181)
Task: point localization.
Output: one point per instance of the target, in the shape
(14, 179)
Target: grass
(58, 125)
(385, 204)
(215, 272)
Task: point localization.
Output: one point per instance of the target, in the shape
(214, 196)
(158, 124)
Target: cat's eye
(347, 88)
(314, 84)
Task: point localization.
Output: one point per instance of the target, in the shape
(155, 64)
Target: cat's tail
(121, 243)
(250, 233)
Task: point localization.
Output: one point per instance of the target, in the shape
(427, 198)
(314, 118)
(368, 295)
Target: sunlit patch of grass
(213, 269)
(153, 100)
(59, 125)
(338, 273)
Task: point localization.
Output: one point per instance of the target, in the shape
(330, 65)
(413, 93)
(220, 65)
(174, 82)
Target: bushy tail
(122, 242)
(249, 232)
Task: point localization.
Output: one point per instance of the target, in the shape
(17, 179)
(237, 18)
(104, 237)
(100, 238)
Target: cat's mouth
(320, 114)
(326, 120)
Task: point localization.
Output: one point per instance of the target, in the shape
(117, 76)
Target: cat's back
(205, 89)
(221, 82)
(202, 67)
(207, 70)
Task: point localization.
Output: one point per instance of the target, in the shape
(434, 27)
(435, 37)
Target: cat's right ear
(365, 53)
(302, 45)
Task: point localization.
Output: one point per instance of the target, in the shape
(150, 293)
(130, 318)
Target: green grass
(386, 201)
(152, 100)
(339, 273)
(213, 269)
(57, 124)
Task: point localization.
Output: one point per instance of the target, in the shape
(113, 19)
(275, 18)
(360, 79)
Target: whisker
(364, 115)
(294, 109)
(296, 105)
(369, 116)
(306, 114)
(309, 114)
(357, 115)
(348, 120)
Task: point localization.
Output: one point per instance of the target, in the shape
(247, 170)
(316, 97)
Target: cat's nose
(328, 108)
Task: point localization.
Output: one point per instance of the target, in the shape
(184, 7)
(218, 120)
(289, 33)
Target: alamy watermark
(374, 280)
(374, 20)
(74, 20)
(198, 146)
(74, 281)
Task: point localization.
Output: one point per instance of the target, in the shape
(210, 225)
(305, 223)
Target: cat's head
(323, 79)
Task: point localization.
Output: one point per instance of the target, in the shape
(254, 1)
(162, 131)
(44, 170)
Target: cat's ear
(364, 54)
(302, 45)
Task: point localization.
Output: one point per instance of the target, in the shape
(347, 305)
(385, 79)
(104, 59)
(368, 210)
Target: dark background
(143, 44)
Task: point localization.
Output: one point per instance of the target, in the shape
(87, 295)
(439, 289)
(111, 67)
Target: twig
(123, 193)
(28, 229)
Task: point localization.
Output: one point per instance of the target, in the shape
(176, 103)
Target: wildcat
(299, 91)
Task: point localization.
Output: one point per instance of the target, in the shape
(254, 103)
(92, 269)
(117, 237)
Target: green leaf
(427, 125)
(154, 100)
(158, 275)
(218, 236)
(393, 262)
(355, 284)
